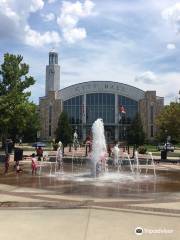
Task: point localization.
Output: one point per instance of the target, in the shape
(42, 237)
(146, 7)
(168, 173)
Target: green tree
(64, 130)
(168, 122)
(29, 133)
(135, 132)
(15, 107)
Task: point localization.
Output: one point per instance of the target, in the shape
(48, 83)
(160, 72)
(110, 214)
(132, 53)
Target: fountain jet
(99, 151)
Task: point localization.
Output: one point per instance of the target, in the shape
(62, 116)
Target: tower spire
(52, 72)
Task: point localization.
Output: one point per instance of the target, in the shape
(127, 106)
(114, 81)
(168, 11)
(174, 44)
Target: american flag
(121, 109)
(121, 112)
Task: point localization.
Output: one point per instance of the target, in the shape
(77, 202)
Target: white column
(116, 118)
(84, 118)
(116, 109)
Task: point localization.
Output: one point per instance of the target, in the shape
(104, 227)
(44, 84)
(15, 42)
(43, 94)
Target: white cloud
(171, 46)
(77, 9)
(15, 15)
(147, 77)
(172, 15)
(71, 13)
(51, 1)
(170, 86)
(67, 22)
(34, 38)
(48, 17)
(36, 5)
(74, 34)
(6, 10)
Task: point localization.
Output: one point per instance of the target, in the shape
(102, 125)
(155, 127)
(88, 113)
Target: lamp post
(37, 136)
(166, 136)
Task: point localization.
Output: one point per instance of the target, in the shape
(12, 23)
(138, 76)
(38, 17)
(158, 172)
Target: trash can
(163, 155)
(2, 158)
(18, 154)
(8, 146)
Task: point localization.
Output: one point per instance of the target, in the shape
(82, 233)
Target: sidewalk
(84, 224)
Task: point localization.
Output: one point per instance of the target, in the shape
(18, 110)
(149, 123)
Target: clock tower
(52, 73)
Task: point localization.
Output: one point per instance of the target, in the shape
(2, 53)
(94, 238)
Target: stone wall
(149, 109)
(47, 122)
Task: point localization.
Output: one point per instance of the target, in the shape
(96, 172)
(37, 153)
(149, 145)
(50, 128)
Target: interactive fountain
(126, 155)
(75, 160)
(151, 159)
(99, 151)
(59, 159)
(115, 153)
(99, 168)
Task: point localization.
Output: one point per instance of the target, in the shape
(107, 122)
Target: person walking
(39, 153)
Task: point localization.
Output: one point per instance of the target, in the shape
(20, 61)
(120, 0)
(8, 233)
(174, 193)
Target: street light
(166, 132)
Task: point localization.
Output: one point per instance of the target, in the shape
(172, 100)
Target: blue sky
(130, 41)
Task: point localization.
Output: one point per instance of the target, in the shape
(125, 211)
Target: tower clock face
(51, 71)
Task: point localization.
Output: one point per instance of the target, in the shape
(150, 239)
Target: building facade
(116, 103)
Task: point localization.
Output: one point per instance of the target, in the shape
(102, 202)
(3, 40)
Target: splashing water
(115, 152)
(99, 151)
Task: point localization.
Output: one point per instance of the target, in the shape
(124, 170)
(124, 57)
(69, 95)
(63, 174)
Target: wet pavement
(112, 185)
(74, 205)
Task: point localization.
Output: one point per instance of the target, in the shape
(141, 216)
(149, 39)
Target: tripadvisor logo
(139, 231)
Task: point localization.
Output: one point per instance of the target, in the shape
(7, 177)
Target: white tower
(52, 73)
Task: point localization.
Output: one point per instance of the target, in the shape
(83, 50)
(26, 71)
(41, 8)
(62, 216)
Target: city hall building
(116, 103)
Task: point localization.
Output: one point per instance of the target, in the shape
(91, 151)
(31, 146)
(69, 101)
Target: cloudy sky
(135, 42)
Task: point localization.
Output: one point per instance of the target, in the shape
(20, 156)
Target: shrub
(55, 146)
(142, 149)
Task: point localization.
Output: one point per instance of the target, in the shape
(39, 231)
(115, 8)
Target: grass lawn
(28, 147)
(151, 148)
(170, 154)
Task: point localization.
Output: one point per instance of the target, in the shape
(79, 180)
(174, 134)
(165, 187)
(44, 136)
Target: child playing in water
(34, 164)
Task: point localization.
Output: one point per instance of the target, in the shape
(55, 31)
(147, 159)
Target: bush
(55, 146)
(142, 149)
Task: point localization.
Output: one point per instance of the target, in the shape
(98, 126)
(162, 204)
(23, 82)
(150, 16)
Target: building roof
(101, 87)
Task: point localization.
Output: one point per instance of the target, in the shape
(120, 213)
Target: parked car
(167, 146)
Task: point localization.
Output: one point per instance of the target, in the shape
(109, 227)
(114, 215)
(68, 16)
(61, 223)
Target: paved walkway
(40, 208)
(85, 224)
(28, 213)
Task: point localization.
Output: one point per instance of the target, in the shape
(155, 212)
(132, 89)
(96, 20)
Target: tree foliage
(168, 122)
(15, 108)
(64, 130)
(29, 133)
(135, 132)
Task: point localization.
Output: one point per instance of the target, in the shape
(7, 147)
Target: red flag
(121, 109)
